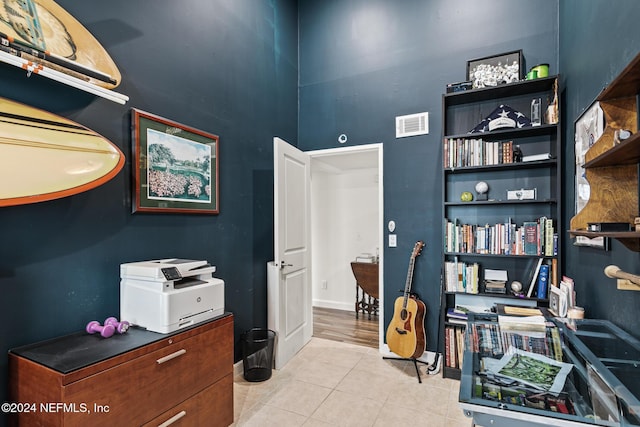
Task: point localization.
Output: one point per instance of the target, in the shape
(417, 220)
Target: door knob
(283, 265)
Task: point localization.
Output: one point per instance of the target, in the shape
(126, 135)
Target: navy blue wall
(363, 62)
(598, 39)
(227, 67)
(230, 67)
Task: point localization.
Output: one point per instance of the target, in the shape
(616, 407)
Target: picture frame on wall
(176, 167)
(496, 69)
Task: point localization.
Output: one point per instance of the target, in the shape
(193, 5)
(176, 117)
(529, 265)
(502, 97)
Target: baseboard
(336, 305)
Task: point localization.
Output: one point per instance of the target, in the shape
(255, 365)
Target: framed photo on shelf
(496, 70)
(176, 166)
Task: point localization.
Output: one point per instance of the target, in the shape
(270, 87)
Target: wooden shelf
(630, 239)
(612, 170)
(627, 83)
(612, 234)
(625, 153)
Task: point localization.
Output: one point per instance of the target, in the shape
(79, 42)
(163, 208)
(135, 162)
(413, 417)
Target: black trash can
(257, 354)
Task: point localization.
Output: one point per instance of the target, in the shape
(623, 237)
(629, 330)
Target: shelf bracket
(626, 281)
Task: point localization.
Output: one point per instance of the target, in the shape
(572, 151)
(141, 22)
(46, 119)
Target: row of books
(467, 152)
(454, 346)
(489, 340)
(531, 238)
(461, 277)
(466, 277)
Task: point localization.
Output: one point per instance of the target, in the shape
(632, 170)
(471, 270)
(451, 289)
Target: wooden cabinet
(486, 231)
(612, 169)
(139, 378)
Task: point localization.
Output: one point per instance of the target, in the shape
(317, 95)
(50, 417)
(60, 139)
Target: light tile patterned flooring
(330, 383)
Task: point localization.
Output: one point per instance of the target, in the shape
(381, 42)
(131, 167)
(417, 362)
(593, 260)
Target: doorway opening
(346, 222)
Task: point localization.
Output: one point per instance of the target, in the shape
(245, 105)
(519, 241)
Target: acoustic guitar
(405, 335)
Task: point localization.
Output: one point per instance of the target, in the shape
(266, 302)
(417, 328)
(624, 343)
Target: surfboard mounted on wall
(41, 37)
(44, 156)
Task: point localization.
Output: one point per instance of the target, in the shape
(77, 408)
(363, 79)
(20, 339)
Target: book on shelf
(567, 285)
(534, 277)
(536, 157)
(452, 313)
(454, 346)
(530, 238)
(460, 309)
(553, 277)
(455, 317)
(522, 323)
(542, 221)
(495, 286)
(515, 310)
(543, 281)
(548, 237)
(460, 346)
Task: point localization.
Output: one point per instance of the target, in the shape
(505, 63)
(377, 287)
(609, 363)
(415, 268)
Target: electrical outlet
(324, 284)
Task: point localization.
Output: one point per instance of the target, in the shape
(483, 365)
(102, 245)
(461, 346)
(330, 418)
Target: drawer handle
(173, 419)
(171, 356)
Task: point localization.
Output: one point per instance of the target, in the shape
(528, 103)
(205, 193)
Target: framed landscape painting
(176, 166)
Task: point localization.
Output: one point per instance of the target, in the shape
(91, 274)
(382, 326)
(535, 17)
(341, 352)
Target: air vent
(412, 124)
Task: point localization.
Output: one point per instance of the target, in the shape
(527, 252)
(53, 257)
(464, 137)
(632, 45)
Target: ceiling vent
(412, 124)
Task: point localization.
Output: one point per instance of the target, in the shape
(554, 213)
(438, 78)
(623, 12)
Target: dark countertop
(75, 351)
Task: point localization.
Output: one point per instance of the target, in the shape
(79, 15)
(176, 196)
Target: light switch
(393, 241)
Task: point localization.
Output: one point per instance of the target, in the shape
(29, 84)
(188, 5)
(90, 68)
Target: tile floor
(329, 383)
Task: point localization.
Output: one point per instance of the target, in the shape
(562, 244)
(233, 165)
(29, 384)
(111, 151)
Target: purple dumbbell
(106, 331)
(121, 327)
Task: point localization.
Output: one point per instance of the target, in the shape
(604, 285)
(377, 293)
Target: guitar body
(406, 335)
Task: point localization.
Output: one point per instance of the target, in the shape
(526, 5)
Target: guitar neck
(407, 285)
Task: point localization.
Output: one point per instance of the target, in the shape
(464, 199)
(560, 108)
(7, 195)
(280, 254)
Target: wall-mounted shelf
(67, 79)
(630, 239)
(625, 153)
(612, 169)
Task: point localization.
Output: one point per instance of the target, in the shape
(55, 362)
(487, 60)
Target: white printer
(165, 295)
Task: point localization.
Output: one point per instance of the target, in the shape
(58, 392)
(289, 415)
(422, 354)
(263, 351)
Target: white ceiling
(341, 162)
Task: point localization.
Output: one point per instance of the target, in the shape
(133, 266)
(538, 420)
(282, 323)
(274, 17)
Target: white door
(289, 276)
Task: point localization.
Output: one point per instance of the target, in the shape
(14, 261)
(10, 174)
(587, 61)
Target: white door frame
(318, 154)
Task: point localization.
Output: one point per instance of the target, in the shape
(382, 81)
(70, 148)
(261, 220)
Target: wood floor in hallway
(341, 325)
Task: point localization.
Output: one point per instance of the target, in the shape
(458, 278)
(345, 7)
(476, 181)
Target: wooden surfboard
(43, 32)
(44, 156)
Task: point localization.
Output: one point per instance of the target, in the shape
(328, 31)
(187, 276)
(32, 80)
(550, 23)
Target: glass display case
(552, 371)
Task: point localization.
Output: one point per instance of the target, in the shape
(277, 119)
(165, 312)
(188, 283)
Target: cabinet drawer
(212, 407)
(136, 391)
